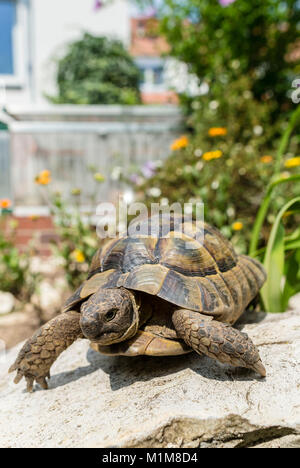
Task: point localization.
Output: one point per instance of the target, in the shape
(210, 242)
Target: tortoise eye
(110, 314)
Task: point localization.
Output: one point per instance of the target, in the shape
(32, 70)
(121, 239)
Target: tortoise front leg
(42, 349)
(217, 340)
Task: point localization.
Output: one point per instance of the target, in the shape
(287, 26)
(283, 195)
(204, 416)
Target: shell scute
(186, 257)
(183, 291)
(146, 278)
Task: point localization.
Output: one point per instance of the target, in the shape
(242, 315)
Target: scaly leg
(42, 349)
(217, 340)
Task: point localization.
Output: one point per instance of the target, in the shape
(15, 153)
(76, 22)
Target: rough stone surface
(184, 401)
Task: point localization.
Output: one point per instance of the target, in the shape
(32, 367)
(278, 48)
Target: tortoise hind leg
(217, 340)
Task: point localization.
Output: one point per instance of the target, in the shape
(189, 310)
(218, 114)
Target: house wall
(44, 28)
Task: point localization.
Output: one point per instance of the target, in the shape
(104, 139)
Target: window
(7, 24)
(14, 45)
(152, 73)
(158, 75)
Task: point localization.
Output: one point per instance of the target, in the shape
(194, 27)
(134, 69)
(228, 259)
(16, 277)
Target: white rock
(7, 302)
(184, 401)
(49, 296)
(47, 266)
(294, 302)
(18, 326)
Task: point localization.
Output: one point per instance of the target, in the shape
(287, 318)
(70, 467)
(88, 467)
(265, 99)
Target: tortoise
(175, 289)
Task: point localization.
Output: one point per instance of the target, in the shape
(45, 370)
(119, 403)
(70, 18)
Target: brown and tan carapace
(174, 289)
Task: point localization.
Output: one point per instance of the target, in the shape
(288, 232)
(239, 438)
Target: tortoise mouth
(106, 339)
(93, 331)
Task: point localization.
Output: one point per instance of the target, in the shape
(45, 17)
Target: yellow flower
(217, 131)
(266, 159)
(180, 143)
(34, 217)
(293, 162)
(76, 192)
(99, 177)
(43, 178)
(78, 256)
(5, 203)
(237, 226)
(209, 155)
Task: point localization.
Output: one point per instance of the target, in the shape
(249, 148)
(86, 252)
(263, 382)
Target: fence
(5, 186)
(67, 140)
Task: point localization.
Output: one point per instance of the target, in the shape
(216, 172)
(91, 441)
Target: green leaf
(292, 283)
(90, 241)
(294, 236)
(271, 293)
(274, 265)
(292, 245)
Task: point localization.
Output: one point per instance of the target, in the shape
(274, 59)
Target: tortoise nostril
(90, 327)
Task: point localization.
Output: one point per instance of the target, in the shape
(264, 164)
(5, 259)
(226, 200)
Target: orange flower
(217, 131)
(5, 203)
(180, 143)
(266, 159)
(237, 226)
(212, 155)
(43, 178)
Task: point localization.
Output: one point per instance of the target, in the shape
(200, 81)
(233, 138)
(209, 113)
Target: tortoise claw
(12, 368)
(259, 368)
(18, 377)
(29, 377)
(29, 381)
(42, 382)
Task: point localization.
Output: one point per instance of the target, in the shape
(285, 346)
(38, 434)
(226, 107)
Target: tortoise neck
(132, 330)
(143, 306)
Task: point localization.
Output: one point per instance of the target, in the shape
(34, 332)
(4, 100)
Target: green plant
(77, 240)
(282, 262)
(254, 39)
(15, 272)
(97, 70)
(240, 53)
(276, 180)
(281, 257)
(231, 185)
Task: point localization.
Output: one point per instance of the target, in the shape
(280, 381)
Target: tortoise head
(109, 316)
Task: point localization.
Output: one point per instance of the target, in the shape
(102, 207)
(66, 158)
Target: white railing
(68, 139)
(5, 175)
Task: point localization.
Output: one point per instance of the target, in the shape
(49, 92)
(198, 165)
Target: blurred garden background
(155, 101)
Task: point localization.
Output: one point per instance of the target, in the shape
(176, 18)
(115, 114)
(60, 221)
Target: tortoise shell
(196, 269)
